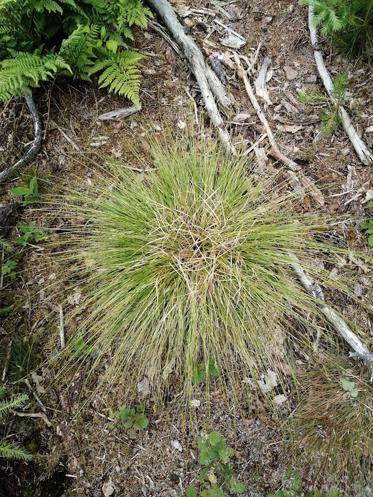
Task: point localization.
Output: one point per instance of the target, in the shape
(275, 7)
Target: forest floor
(82, 452)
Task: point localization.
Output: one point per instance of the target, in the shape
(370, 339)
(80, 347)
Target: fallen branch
(261, 81)
(31, 153)
(209, 84)
(361, 149)
(275, 151)
(313, 288)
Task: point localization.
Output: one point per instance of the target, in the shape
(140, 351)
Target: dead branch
(314, 289)
(360, 148)
(31, 153)
(209, 84)
(275, 151)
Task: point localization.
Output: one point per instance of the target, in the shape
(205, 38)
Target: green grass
(189, 265)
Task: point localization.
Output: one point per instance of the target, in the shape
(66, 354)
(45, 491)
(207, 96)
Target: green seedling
(81, 349)
(29, 193)
(29, 234)
(216, 473)
(132, 419)
(203, 373)
(8, 268)
(331, 117)
(349, 387)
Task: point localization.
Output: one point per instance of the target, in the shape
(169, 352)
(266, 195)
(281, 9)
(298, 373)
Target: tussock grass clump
(333, 425)
(190, 265)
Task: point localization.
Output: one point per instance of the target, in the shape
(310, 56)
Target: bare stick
(275, 151)
(208, 82)
(261, 80)
(360, 148)
(31, 153)
(314, 289)
(61, 327)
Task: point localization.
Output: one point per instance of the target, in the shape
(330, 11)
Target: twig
(361, 149)
(31, 153)
(120, 113)
(209, 84)
(61, 327)
(41, 415)
(275, 151)
(314, 289)
(6, 360)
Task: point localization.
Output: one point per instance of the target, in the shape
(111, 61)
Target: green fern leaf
(77, 49)
(8, 405)
(46, 5)
(133, 13)
(25, 71)
(11, 451)
(121, 74)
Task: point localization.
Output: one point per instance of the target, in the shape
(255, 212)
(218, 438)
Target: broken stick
(313, 288)
(275, 151)
(209, 84)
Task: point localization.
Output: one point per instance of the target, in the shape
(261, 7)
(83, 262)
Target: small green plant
(216, 473)
(81, 349)
(29, 234)
(8, 268)
(132, 419)
(29, 193)
(368, 228)
(349, 23)
(205, 372)
(293, 487)
(40, 39)
(9, 450)
(331, 118)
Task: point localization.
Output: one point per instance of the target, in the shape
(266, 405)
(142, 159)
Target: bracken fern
(43, 38)
(190, 265)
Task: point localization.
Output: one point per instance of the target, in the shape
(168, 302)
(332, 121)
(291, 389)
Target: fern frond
(77, 49)
(25, 70)
(11, 451)
(121, 74)
(8, 405)
(133, 13)
(46, 5)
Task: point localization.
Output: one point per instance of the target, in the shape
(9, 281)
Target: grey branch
(31, 153)
(314, 289)
(209, 84)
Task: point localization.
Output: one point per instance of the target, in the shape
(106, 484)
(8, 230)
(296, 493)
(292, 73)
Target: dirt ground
(81, 451)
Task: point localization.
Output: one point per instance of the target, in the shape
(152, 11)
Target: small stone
(358, 289)
(290, 73)
(108, 488)
(181, 124)
(195, 403)
(241, 117)
(143, 387)
(233, 41)
(176, 445)
(280, 399)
